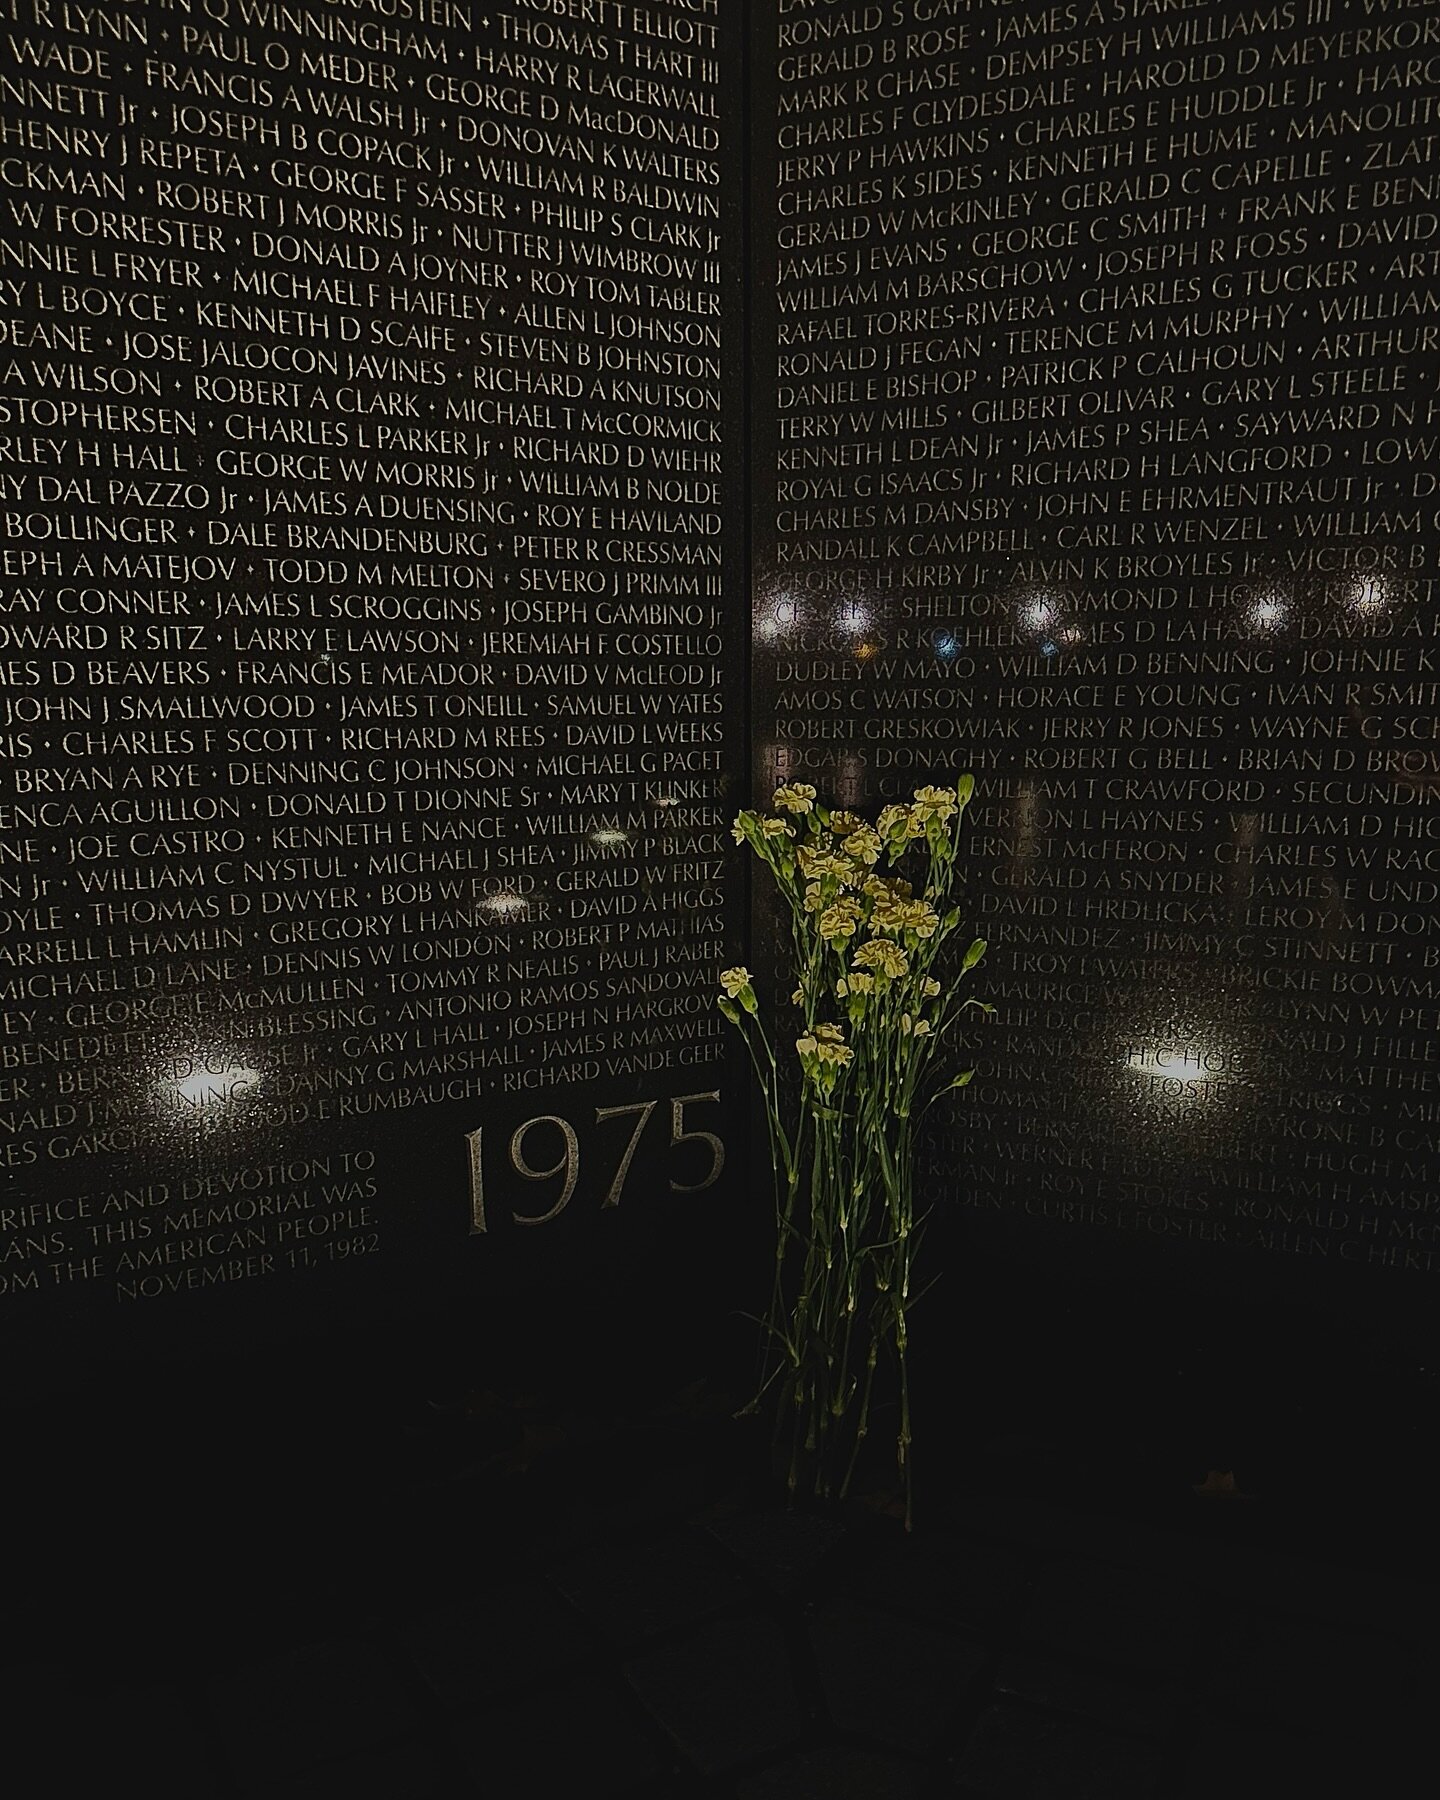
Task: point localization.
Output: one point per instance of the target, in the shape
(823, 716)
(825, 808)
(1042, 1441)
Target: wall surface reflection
(1096, 371)
(370, 493)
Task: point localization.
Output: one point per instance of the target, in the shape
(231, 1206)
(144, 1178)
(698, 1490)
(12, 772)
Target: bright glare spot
(1367, 595)
(1038, 611)
(780, 616)
(947, 647)
(852, 620)
(506, 905)
(1187, 1066)
(214, 1087)
(609, 837)
(1267, 611)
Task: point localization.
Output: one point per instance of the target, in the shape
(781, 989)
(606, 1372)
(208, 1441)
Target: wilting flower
(922, 1028)
(842, 823)
(839, 920)
(882, 887)
(930, 987)
(860, 981)
(774, 828)
(814, 899)
(798, 797)
(798, 997)
(882, 956)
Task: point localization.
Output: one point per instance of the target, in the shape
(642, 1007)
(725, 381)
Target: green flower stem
(846, 1230)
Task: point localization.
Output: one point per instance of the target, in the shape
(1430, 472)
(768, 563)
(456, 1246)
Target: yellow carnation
(882, 956)
(839, 920)
(864, 845)
(816, 864)
(934, 803)
(798, 797)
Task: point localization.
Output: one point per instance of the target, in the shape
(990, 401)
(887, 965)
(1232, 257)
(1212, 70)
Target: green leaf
(962, 1080)
(973, 955)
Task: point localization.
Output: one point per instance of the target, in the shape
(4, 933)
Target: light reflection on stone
(1368, 594)
(506, 905)
(1038, 611)
(211, 1082)
(1189, 1065)
(777, 617)
(853, 619)
(1267, 611)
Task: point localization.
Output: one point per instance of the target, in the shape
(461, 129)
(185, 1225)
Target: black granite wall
(368, 487)
(1096, 356)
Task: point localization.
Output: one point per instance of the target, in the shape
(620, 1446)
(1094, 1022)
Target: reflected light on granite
(852, 620)
(609, 837)
(505, 905)
(1037, 611)
(216, 1084)
(1367, 595)
(777, 617)
(1267, 611)
(1186, 1066)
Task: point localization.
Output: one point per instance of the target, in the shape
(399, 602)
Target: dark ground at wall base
(352, 1582)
